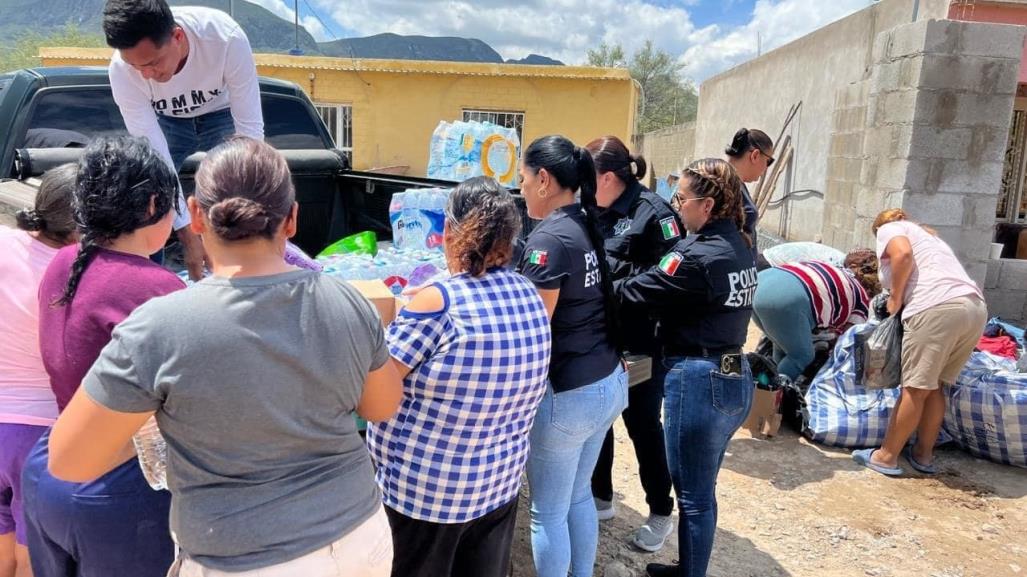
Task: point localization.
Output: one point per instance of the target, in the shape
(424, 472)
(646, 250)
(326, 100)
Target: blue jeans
(188, 135)
(782, 310)
(565, 442)
(198, 134)
(115, 525)
(702, 409)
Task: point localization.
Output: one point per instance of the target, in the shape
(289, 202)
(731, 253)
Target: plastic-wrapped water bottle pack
(398, 268)
(418, 216)
(460, 150)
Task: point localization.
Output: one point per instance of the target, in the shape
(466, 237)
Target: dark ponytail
(117, 178)
(611, 155)
(746, 140)
(573, 169)
(52, 216)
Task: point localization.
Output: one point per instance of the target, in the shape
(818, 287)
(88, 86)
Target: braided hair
(52, 216)
(714, 178)
(573, 169)
(483, 223)
(118, 178)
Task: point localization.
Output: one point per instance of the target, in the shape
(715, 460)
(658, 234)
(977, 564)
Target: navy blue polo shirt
(701, 291)
(559, 255)
(639, 228)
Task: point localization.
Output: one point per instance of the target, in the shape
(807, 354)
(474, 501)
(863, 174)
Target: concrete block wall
(845, 165)
(1005, 289)
(938, 114)
(668, 149)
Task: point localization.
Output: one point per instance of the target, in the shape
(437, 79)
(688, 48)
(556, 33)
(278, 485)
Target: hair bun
(237, 218)
(30, 220)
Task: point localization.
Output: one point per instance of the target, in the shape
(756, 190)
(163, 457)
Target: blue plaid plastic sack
(987, 410)
(842, 412)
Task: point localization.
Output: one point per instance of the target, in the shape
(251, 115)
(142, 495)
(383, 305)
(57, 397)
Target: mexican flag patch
(669, 226)
(670, 263)
(538, 257)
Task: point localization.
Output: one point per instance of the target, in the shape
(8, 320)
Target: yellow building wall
(397, 104)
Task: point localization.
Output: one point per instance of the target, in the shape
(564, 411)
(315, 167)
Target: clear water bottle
(153, 454)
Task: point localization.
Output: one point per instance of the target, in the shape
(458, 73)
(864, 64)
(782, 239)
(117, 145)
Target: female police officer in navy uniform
(701, 292)
(588, 385)
(639, 228)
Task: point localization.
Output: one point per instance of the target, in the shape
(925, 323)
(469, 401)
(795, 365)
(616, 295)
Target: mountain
(267, 32)
(390, 45)
(536, 60)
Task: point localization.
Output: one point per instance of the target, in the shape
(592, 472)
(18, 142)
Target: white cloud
(777, 22)
(284, 10)
(566, 29)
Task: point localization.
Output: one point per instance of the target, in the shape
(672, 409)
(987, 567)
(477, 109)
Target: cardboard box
(380, 296)
(765, 416)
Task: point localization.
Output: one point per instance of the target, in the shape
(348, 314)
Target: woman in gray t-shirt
(253, 375)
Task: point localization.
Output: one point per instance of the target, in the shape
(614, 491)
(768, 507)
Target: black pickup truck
(48, 114)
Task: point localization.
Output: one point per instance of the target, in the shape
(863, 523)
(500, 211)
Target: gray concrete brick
(1013, 275)
(995, 40)
(992, 110)
(977, 74)
(1005, 303)
(897, 107)
(992, 276)
(881, 50)
(907, 39)
(979, 211)
(936, 210)
(942, 36)
(966, 177)
(988, 144)
(932, 142)
(973, 243)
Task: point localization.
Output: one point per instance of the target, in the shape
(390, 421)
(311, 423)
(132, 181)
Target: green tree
(668, 98)
(23, 51)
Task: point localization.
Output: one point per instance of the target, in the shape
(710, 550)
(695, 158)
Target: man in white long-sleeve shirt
(185, 80)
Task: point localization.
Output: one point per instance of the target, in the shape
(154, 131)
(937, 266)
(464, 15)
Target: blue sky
(708, 36)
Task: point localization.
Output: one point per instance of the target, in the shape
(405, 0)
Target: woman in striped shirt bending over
(793, 300)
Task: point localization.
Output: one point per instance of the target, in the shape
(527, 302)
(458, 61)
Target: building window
(505, 119)
(339, 120)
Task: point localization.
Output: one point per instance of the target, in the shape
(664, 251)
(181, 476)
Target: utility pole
(296, 26)
(231, 8)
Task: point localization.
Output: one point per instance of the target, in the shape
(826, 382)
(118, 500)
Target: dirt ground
(791, 508)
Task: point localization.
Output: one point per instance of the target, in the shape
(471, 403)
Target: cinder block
(882, 44)
(994, 110)
(995, 40)
(942, 36)
(891, 173)
(1013, 275)
(907, 39)
(1007, 304)
(988, 144)
(977, 74)
(979, 212)
(897, 107)
(974, 244)
(992, 276)
(966, 177)
(933, 142)
(936, 210)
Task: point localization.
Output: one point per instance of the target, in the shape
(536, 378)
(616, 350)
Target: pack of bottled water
(418, 216)
(397, 268)
(153, 454)
(460, 150)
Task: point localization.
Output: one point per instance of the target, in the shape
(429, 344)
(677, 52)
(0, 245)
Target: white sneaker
(605, 510)
(651, 536)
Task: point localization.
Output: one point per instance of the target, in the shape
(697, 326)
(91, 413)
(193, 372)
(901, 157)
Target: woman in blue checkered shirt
(474, 349)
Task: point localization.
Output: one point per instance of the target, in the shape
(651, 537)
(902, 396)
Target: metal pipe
(916, 9)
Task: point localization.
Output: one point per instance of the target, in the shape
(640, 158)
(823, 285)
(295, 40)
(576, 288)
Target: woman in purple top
(116, 525)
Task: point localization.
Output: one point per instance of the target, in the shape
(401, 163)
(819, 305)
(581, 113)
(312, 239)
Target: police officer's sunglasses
(676, 200)
(770, 159)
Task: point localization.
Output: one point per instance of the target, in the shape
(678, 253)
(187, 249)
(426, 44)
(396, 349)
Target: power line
(318, 17)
